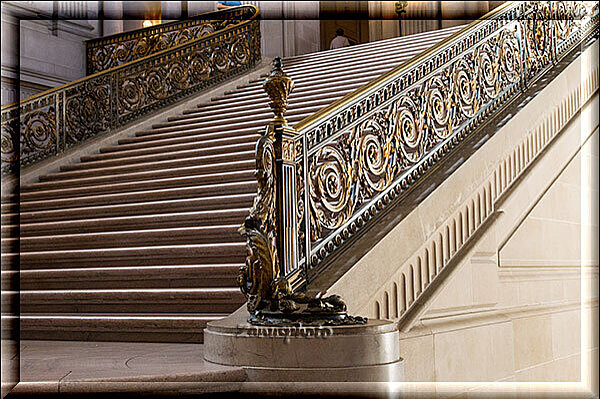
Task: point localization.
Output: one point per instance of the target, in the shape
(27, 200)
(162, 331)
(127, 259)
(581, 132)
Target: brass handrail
(113, 50)
(57, 119)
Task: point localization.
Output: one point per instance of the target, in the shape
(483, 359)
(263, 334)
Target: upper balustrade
(110, 51)
(55, 120)
(334, 173)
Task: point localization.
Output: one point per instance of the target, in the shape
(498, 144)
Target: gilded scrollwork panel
(87, 109)
(38, 137)
(363, 160)
(106, 53)
(180, 73)
(10, 128)
(372, 147)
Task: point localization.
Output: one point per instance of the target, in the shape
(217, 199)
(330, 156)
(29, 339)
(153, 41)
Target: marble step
(341, 70)
(199, 141)
(174, 276)
(200, 114)
(209, 109)
(246, 104)
(256, 115)
(323, 79)
(9, 207)
(303, 92)
(260, 98)
(207, 190)
(193, 146)
(328, 57)
(191, 254)
(158, 165)
(10, 279)
(196, 133)
(123, 223)
(131, 238)
(9, 219)
(137, 327)
(143, 208)
(137, 142)
(139, 185)
(230, 149)
(64, 180)
(164, 300)
(229, 124)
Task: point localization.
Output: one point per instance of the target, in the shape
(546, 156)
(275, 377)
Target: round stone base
(368, 352)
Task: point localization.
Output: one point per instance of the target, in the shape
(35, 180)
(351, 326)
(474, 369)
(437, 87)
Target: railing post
(278, 86)
(270, 275)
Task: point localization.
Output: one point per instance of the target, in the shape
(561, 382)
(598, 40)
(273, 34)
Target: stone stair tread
(205, 190)
(195, 218)
(175, 276)
(133, 274)
(159, 165)
(124, 239)
(139, 185)
(230, 149)
(144, 207)
(173, 148)
(225, 252)
(148, 316)
(76, 178)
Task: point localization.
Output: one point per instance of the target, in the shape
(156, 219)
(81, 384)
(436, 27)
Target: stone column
(113, 17)
(383, 22)
(421, 16)
(289, 28)
(461, 12)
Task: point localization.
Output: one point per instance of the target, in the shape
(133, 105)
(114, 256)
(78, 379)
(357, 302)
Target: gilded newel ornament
(278, 86)
(271, 262)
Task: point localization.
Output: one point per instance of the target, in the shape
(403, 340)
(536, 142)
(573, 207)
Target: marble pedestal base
(362, 353)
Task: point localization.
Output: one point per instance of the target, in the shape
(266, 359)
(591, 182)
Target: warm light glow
(147, 24)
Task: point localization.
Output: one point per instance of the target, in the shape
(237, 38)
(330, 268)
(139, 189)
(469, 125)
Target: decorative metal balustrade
(332, 174)
(111, 51)
(55, 120)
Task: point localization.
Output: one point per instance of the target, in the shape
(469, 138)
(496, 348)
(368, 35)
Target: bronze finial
(278, 87)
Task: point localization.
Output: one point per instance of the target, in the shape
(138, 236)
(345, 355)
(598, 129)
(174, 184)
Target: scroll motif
(103, 54)
(87, 110)
(140, 89)
(364, 160)
(260, 228)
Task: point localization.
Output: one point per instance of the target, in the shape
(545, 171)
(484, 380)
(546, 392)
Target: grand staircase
(140, 241)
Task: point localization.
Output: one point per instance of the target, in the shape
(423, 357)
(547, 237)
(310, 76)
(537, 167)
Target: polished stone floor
(113, 370)
(62, 367)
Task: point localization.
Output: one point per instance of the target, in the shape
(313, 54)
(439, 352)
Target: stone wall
(44, 53)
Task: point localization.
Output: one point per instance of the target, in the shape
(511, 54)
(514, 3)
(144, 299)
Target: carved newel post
(271, 278)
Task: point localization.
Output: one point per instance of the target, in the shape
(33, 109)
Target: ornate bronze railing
(335, 172)
(55, 120)
(110, 51)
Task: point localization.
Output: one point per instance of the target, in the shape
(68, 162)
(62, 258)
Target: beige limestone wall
(488, 320)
